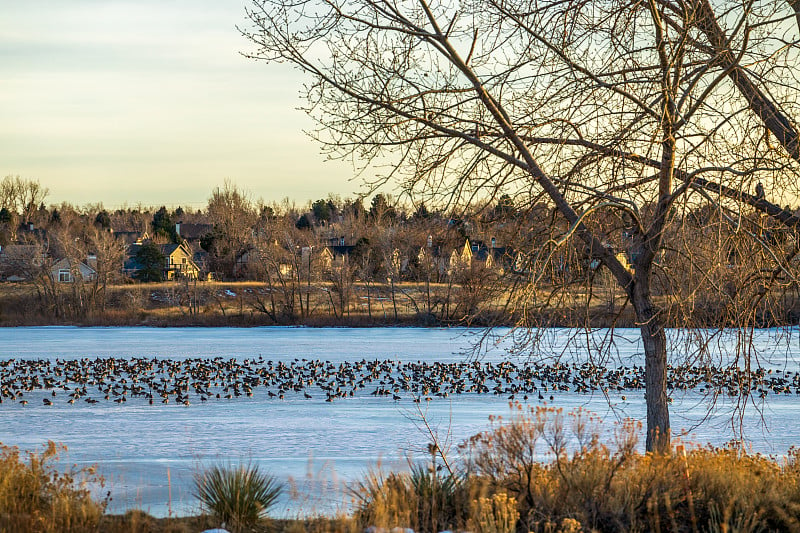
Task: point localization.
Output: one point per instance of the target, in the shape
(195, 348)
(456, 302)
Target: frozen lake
(148, 453)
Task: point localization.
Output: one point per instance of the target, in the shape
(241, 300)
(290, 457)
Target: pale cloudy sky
(150, 101)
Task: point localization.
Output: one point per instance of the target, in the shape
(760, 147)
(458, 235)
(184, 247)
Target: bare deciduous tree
(618, 115)
(233, 216)
(109, 254)
(21, 197)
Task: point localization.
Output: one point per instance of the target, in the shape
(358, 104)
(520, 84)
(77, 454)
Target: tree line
(466, 264)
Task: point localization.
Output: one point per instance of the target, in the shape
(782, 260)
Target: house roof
(193, 231)
(129, 237)
(200, 258)
(169, 249)
(435, 251)
(17, 260)
(19, 251)
(69, 263)
(341, 250)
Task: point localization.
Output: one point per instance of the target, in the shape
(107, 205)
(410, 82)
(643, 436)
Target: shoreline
(251, 304)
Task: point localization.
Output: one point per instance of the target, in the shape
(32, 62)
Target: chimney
(494, 242)
(91, 261)
(178, 228)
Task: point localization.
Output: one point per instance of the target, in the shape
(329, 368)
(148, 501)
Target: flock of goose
(183, 381)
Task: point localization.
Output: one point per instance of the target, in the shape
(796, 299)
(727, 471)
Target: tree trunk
(655, 371)
(369, 298)
(394, 300)
(428, 293)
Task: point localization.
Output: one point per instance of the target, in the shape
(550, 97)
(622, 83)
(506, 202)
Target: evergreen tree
(102, 220)
(322, 211)
(151, 261)
(164, 225)
(303, 222)
(380, 210)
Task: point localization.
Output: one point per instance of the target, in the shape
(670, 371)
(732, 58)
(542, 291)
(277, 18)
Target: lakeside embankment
(321, 304)
(247, 304)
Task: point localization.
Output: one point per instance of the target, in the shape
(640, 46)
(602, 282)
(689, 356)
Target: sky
(151, 101)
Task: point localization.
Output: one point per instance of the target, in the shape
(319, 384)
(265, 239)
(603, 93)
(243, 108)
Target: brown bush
(36, 497)
(700, 489)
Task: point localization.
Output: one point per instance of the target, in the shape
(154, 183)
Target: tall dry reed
(37, 497)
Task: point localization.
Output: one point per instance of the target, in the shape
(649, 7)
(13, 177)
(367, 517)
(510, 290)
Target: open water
(148, 453)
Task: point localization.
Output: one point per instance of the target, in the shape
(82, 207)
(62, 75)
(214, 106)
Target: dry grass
(35, 496)
(167, 304)
(423, 499)
(540, 471)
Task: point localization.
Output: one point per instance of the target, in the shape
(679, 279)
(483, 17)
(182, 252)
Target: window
(64, 276)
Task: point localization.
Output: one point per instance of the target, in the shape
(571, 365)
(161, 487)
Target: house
(492, 256)
(201, 259)
(336, 241)
(247, 261)
(28, 232)
(623, 257)
(340, 251)
(432, 260)
(399, 262)
(522, 263)
(21, 262)
(549, 265)
(69, 271)
(325, 260)
(178, 261)
(477, 254)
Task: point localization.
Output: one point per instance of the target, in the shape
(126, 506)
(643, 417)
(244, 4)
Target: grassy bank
(539, 471)
(319, 303)
(244, 304)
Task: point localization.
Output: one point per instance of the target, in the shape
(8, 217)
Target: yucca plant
(441, 498)
(239, 496)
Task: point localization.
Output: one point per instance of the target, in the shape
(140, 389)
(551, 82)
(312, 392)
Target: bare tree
(21, 198)
(233, 216)
(109, 254)
(341, 278)
(616, 114)
(68, 241)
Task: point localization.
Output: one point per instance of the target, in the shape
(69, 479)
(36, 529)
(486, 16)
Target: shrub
(564, 478)
(36, 497)
(238, 496)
